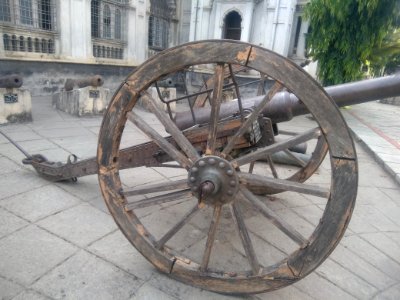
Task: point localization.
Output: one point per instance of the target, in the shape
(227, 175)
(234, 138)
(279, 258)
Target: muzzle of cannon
(166, 83)
(284, 105)
(94, 81)
(219, 213)
(11, 81)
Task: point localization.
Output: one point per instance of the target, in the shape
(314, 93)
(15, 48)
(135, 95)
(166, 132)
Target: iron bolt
(211, 161)
(229, 172)
(232, 183)
(202, 163)
(222, 165)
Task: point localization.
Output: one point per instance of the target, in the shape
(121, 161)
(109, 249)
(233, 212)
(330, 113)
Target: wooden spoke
(250, 119)
(284, 185)
(237, 91)
(185, 194)
(261, 153)
(251, 167)
(246, 241)
(215, 106)
(171, 128)
(211, 237)
(177, 227)
(272, 166)
(270, 215)
(159, 140)
(158, 187)
(297, 159)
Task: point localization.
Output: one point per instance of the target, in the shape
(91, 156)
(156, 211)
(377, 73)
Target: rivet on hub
(232, 183)
(222, 165)
(230, 193)
(192, 179)
(202, 163)
(194, 170)
(211, 161)
(229, 172)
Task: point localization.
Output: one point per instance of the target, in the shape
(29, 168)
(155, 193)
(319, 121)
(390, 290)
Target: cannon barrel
(11, 81)
(95, 81)
(166, 83)
(284, 105)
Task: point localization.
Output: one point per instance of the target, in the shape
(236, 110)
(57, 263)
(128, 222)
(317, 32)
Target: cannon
(95, 81)
(224, 174)
(11, 81)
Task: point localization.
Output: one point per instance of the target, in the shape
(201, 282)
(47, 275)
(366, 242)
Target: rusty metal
(284, 105)
(94, 81)
(11, 81)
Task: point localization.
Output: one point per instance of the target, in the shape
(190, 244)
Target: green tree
(385, 58)
(344, 34)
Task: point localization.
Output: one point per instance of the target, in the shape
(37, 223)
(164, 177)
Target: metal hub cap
(213, 180)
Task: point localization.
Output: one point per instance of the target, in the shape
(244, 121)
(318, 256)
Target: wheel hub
(213, 180)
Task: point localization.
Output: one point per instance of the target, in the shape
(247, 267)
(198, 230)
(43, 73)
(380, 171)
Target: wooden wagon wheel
(218, 181)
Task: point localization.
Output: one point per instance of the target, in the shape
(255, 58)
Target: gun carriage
(226, 153)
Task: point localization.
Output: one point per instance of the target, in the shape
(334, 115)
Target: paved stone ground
(57, 240)
(376, 125)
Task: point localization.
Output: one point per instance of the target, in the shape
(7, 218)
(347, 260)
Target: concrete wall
(46, 78)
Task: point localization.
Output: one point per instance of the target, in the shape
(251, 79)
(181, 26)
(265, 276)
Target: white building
(273, 24)
(47, 41)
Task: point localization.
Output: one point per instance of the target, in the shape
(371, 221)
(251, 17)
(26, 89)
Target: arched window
(21, 43)
(103, 51)
(118, 24)
(14, 43)
(106, 22)
(5, 14)
(95, 18)
(37, 45)
(30, 45)
(232, 26)
(51, 46)
(6, 41)
(44, 14)
(25, 12)
(44, 46)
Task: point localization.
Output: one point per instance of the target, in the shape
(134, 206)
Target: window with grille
(38, 14)
(25, 12)
(159, 24)
(107, 18)
(107, 22)
(5, 11)
(45, 14)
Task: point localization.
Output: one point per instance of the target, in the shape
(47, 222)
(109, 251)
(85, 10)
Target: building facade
(274, 24)
(47, 41)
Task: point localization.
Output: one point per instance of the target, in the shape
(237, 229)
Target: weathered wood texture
(332, 133)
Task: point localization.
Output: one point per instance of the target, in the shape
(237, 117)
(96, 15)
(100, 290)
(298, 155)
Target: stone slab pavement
(377, 127)
(58, 241)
